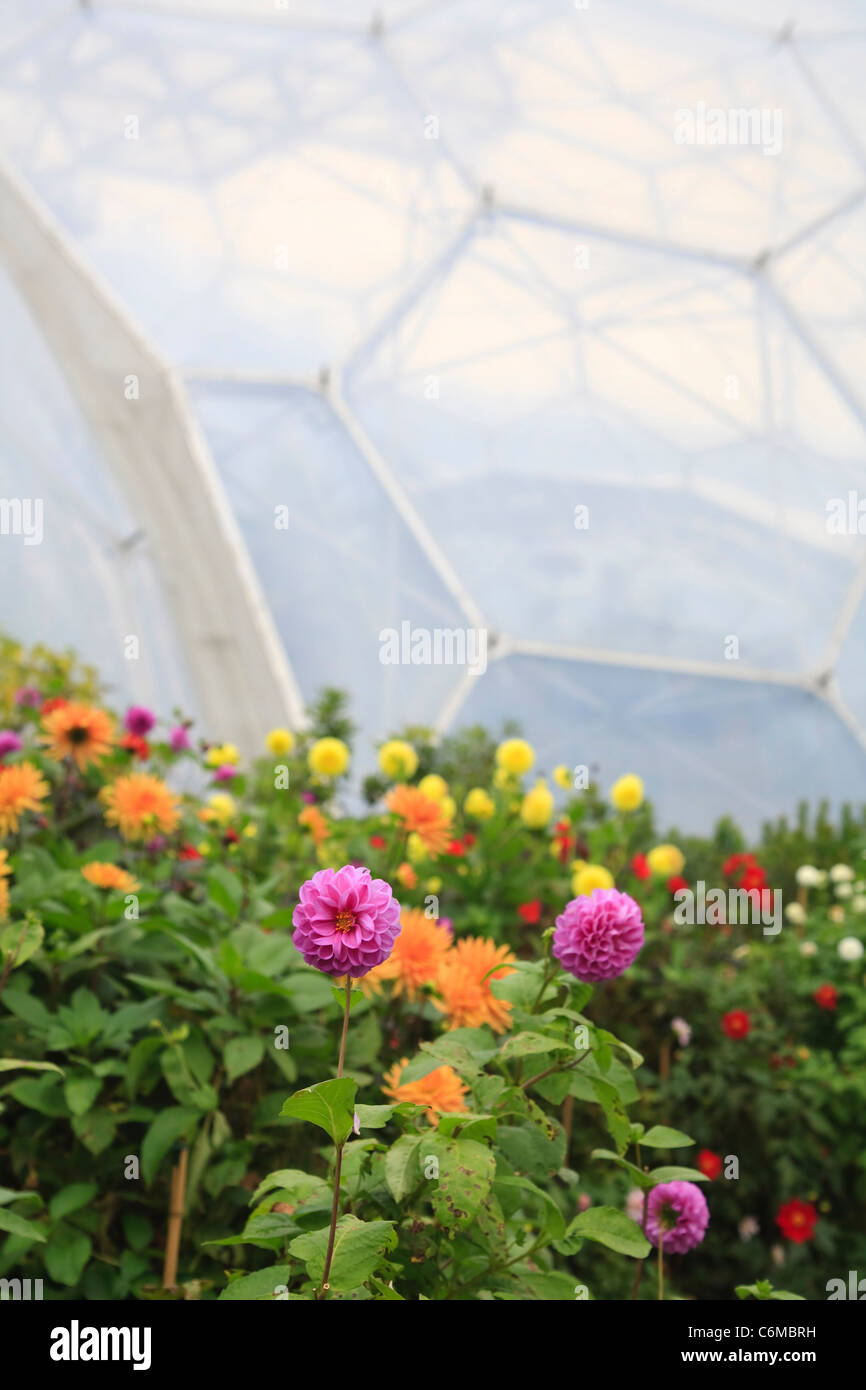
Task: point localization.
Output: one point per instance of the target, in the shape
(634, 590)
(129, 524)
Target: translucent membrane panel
(607, 115)
(337, 563)
(630, 451)
(75, 567)
(704, 747)
(257, 196)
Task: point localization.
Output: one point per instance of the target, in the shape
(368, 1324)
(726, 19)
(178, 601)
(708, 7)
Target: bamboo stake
(176, 1197)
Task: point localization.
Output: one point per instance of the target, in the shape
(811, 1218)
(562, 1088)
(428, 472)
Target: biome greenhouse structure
(532, 324)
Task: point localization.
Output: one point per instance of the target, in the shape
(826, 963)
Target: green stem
(661, 1267)
(322, 1291)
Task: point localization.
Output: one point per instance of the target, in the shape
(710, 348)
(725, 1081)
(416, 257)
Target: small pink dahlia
(598, 936)
(677, 1215)
(346, 922)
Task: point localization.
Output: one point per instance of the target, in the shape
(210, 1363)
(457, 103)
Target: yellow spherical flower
(666, 860)
(562, 777)
(627, 793)
(221, 754)
(433, 786)
(222, 807)
(280, 742)
(433, 885)
(250, 831)
(109, 876)
(328, 757)
(502, 780)
(588, 877)
(416, 850)
(515, 756)
(398, 760)
(479, 804)
(537, 806)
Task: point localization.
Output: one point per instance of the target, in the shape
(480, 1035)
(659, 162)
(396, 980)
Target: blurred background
(537, 320)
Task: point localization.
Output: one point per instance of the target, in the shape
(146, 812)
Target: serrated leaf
(357, 1248)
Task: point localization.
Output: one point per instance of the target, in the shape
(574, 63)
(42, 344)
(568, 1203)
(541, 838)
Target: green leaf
(166, 1129)
(16, 1225)
(660, 1137)
(259, 1286)
(19, 941)
(466, 1171)
(674, 1174)
(357, 1248)
(25, 1006)
(72, 1198)
(242, 1054)
(374, 1116)
(554, 1223)
(10, 1064)
(225, 889)
(330, 1105)
(611, 1227)
(301, 1185)
(468, 1126)
(617, 1121)
(96, 1129)
(402, 1166)
(530, 1044)
(81, 1090)
(66, 1253)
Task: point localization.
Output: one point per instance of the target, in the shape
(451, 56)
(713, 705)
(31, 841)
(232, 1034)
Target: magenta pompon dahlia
(139, 720)
(346, 922)
(678, 1215)
(598, 936)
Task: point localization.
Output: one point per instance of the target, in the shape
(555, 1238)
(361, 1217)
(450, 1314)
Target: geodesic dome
(322, 319)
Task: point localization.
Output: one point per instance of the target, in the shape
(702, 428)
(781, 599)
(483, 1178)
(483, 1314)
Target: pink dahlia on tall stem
(346, 922)
(677, 1216)
(598, 935)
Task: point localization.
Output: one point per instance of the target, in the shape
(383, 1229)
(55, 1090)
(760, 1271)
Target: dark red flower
(709, 1163)
(469, 840)
(640, 866)
(188, 852)
(736, 1024)
(797, 1220)
(135, 744)
(456, 848)
(826, 997)
(677, 883)
(377, 841)
(531, 911)
(231, 837)
(56, 702)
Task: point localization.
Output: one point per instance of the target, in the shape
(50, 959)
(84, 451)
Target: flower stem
(661, 1268)
(322, 1291)
(345, 1025)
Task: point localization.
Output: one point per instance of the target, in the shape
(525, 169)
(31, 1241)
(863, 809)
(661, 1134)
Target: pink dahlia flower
(139, 720)
(677, 1215)
(598, 936)
(179, 738)
(346, 922)
(9, 742)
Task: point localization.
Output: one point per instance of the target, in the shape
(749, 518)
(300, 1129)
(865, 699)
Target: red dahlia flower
(736, 1024)
(826, 997)
(797, 1220)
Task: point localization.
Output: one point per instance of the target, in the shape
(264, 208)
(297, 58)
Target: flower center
(77, 734)
(344, 921)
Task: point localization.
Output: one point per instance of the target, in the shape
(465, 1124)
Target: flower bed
(490, 1037)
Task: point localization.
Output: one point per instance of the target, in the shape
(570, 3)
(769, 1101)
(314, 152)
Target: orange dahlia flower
(82, 732)
(416, 957)
(110, 876)
(140, 805)
(422, 816)
(464, 984)
(441, 1090)
(4, 886)
(315, 822)
(22, 788)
